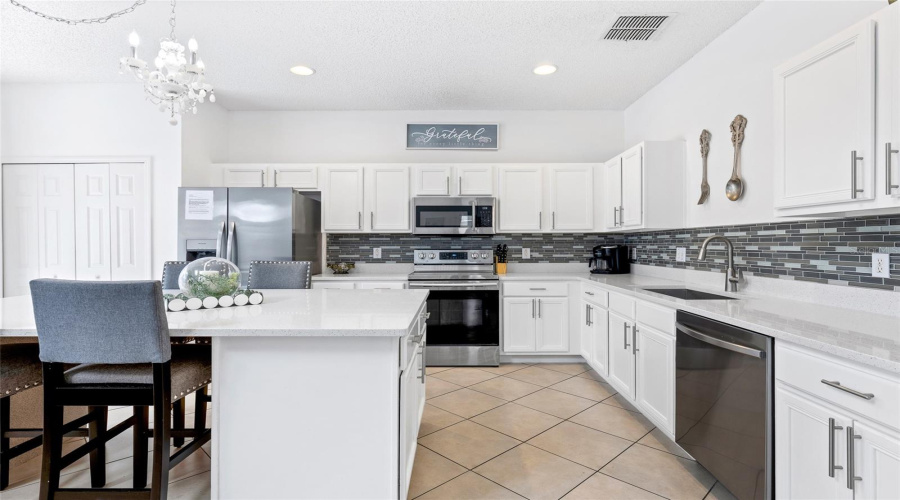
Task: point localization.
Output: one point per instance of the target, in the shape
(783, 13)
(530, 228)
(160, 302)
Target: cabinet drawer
(621, 304)
(806, 369)
(661, 318)
(332, 285)
(381, 285)
(536, 289)
(595, 295)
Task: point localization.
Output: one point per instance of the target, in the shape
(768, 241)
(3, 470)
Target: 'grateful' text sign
(430, 136)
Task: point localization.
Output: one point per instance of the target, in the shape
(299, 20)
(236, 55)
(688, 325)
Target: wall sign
(452, 136)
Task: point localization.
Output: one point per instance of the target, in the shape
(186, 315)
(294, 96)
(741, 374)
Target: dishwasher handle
(724, 344)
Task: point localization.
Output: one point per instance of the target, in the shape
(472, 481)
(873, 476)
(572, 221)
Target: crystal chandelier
(176, 84)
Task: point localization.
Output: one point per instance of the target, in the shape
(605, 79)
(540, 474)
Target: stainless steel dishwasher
(723, 403)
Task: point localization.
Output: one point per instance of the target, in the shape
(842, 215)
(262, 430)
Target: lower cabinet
(595, 337)
(535, 324)
(412, 405)
(655, 375)
(358, 285)
(621, 354)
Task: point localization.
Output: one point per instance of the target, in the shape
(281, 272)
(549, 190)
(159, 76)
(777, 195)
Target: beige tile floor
(516, 431)
(545, 431)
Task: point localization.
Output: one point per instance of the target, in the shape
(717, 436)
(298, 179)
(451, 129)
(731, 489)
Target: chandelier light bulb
(134, 39)
(200, 64)
(158, 62)
(192, 44)
(212, 97)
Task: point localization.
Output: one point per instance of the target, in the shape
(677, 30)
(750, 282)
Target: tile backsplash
(832, 251)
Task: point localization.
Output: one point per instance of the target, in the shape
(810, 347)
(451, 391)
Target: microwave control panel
(484, 216)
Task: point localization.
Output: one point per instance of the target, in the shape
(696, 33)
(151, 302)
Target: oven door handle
(453, 285)
(724, 344)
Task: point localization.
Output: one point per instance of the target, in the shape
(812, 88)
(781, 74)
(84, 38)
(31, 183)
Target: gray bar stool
(117, 334)
(286, 274)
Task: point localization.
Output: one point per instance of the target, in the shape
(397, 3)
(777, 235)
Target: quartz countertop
(362, 277)
(283, 313)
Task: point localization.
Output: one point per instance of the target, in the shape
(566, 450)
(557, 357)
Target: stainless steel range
(464, 306)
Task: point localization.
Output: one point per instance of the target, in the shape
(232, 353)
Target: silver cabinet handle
(590, 315)
(539, 308)
(590, 293)
(263, 179)
(448, 185)
(533, 305)
(625, 331)
(540, 220)
(831, 428)
(275, 181)
(422, 363)
(837, 385)
(634, 347)
(615, 216)
(887, 168)
(219, 238)
(621, 215)
(854, 159)
(372, 220)
(359, 220)
(852, 478)
(537, 288)
(553, 220)
(459, 185)
(587, 315)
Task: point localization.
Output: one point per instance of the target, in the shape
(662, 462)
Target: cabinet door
(20, 228)
(631, 211)
(552, 324)
(381, 285)
(56, 221)
(333, 285)
(586, 332)
(92, 240)
(388, 199)
(571, 198)
(520, 198)
(475, 180)
(297, 177)
(600, 330)
(613, 199)
(244, 176)
(621, 355)
(889, 97)
(519, 324)
(802, 448)
(824, 112)
(342, 199)
(129, 208)
(433, 180)
(655, 374)
(409, 412)
(877, 454)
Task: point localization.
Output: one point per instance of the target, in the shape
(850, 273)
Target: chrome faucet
(731, 274)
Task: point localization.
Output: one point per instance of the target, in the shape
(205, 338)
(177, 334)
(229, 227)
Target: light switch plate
(881, 265)
(376, 253)
(526, 253)
(680, 254)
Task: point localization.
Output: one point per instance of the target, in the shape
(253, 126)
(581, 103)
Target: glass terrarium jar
(209, 277)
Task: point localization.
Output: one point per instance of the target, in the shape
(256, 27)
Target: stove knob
(484, 256)
(421, 255)
(431, 256)
(474, 255)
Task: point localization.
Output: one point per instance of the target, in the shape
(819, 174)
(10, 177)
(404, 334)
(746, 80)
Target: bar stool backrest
(284, 274)
(171, 270)
(111, 322)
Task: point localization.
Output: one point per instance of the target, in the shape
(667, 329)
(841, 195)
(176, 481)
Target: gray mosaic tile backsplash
(835, 251)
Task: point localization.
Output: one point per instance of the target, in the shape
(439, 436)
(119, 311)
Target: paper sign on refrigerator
(198, 205)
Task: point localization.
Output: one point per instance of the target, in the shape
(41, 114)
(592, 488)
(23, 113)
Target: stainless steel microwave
(453, 215)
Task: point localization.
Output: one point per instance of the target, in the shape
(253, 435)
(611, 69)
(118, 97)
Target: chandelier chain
(94, 20)
(172, 22)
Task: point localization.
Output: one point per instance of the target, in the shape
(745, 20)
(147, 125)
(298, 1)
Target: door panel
(655, 374)
(613, 192)
(586, 331)
(572, 198)
(520, 198)
(388, 199)
(294, 177)
(56, 220)
(877, 453)
(600, 330)
(130, 222)
(519, 327)
(621, 358)
(342, 199)
(433, 180)
(244, 176)
(20, 228)
(475, 180)
(552, 324)
(92, 239)
(631, 213)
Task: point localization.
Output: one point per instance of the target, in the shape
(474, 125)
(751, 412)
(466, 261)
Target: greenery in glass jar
(213, 285)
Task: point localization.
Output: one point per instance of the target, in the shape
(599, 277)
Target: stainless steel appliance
(453, 215)
(723, 403)
(244, 224)
(610, 259)
(463, 305)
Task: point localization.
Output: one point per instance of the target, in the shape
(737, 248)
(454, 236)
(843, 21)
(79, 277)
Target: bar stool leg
(162, 425)
(4, 443)
(178, 422)
(200, 409)
(139, 443)
(96, 429)
(53, 437)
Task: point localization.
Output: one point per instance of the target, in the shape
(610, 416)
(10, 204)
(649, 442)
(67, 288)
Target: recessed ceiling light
(302, 70)
(545, 69)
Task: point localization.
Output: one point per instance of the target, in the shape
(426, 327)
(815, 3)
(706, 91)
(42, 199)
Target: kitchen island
(311, 387)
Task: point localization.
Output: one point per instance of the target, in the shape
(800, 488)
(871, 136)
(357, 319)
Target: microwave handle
(473, 215)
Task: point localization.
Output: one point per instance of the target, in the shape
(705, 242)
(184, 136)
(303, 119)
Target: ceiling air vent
(630, 28)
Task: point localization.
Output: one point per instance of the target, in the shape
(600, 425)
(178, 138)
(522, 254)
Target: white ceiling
(377, 55)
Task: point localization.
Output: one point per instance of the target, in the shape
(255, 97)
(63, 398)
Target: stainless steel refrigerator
(246, 224)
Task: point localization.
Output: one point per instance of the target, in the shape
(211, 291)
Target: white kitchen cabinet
(621, 354)
(655, 376)
(412, 405)
(358, 285)
(520, 197)
(644, 187)
(381, 285)
(888, 91)
(304, 177)
(342, 199)
(586, 345)
(595, 337)
(56, 220)
(571, 197)
(21, 238)
(387, 199)
(519, 325)
(433, 180)
(92, 241)
(292, 175)
(129, 209)
(333, 285)
(475, 180)
(877, 453)
(244, 175)
(552, 324)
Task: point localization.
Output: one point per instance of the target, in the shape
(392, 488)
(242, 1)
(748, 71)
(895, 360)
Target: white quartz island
(316, 393)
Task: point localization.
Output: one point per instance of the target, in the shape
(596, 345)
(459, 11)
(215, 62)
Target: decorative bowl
(209, 277)
(341, 267)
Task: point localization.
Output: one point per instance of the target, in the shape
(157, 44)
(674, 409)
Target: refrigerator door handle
(219, 239)
(229, 246)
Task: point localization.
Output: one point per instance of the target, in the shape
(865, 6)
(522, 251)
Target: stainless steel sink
(688, 294)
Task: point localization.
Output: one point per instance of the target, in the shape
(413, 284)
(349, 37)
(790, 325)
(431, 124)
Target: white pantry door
(129, 222)
(20, 228)
(56, 220)
(92, 239)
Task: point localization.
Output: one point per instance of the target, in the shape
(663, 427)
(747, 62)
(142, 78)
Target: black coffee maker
(610, 259)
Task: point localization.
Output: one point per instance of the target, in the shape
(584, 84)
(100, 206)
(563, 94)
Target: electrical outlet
(634, 254)
(526, 253)
(680, 254)
(881, 265)
(376, 253)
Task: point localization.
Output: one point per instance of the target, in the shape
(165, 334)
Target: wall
(93, 121)
(730, 76)
(379, 136)
(204, 141)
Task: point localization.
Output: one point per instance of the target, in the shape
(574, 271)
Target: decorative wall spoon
(735, 187)
(704, 153)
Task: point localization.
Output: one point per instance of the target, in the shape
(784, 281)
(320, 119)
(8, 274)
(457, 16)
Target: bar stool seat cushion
(191, 369)
(20, 368)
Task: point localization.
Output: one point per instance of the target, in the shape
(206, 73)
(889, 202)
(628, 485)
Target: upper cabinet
(342, 199)
(235, 175)
(645, 187)
(571, 190)
(294, 176)
(297, 176)
(836, 122)
(449, 180)
(546, 198)
(521, 197)
(371, 199)
(387, 199)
